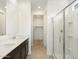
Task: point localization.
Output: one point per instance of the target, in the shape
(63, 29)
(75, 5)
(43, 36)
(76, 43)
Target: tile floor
(39, 51)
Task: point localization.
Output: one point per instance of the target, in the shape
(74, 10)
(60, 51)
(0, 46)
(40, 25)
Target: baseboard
(29, 53)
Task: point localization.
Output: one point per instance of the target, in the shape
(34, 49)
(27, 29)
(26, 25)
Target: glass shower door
(71, 21)
(58, 36)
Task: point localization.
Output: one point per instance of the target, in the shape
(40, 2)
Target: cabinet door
(23, 53)
(23, 50)
(15, 54)
(27, 47)
(20, 52)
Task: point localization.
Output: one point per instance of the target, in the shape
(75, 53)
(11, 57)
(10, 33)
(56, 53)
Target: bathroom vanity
(14, 48)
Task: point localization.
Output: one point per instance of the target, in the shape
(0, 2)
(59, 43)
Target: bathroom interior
(38, 29)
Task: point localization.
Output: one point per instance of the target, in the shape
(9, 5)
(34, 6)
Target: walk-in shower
(66, 33)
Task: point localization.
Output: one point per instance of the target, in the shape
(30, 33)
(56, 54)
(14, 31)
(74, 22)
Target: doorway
(38, 31)
(38, 28)
(39, 50)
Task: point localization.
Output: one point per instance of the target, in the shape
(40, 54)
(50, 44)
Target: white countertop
(9, 44)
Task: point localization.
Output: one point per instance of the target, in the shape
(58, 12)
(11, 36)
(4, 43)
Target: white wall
(49, 36)
(45, 29)
(24, 20)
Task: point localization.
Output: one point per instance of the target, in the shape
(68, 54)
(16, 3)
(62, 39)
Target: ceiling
(36, 3)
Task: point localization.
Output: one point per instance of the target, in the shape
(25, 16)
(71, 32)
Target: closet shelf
(38, 26)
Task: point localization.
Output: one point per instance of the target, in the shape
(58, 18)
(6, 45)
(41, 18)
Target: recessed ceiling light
(39, 7)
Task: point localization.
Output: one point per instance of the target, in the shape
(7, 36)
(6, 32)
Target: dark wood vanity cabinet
(19, 52)
(24, 50)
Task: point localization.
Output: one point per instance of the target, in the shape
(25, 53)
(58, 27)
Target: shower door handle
(60, 39)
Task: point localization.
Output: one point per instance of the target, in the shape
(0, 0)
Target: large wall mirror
(2, 17)
(2, 23)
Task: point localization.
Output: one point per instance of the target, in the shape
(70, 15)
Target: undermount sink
(9, 44)
(6, 46)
